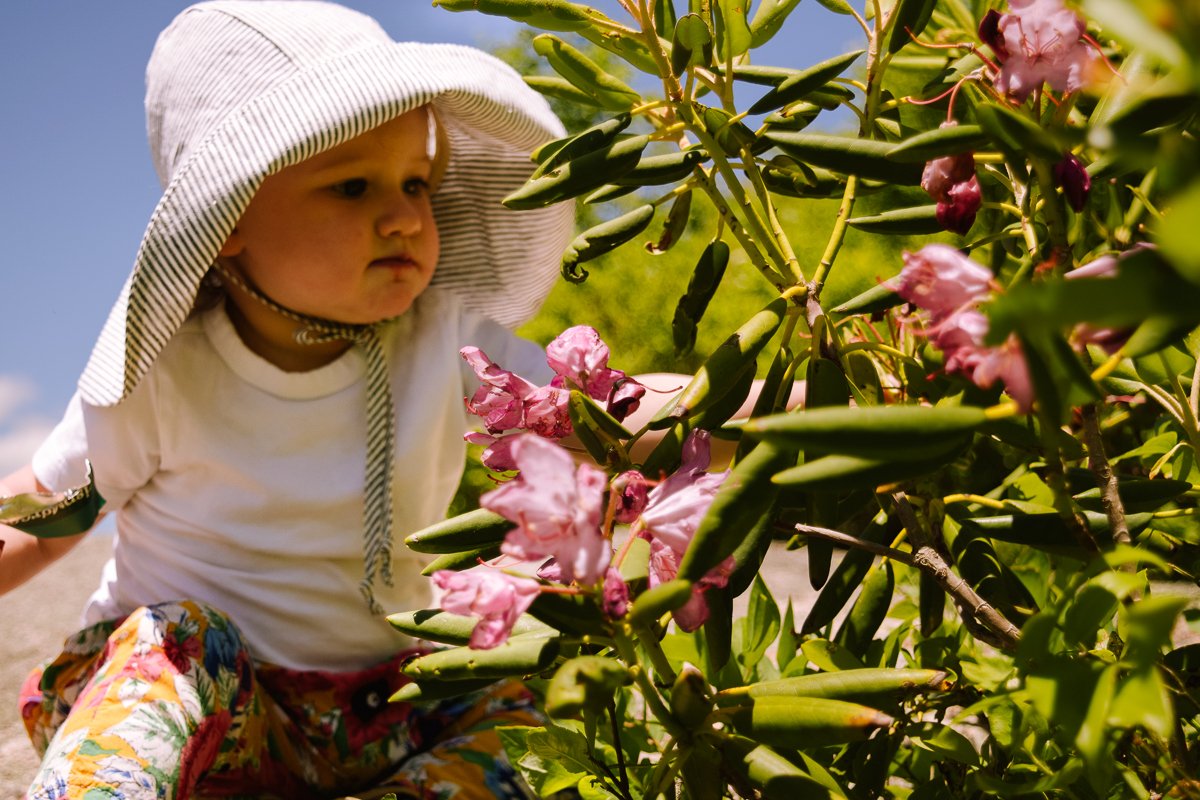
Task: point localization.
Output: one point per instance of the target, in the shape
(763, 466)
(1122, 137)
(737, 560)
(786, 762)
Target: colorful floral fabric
(167, 704)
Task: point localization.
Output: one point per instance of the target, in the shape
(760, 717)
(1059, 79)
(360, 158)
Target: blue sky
(77, 185)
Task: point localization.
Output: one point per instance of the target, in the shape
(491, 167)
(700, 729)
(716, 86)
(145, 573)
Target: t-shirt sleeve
(121, 442)
(504, 348)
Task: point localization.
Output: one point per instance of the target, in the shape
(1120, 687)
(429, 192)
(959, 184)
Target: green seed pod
(431, 691)
(838, 473)
(470, 531)
(769, 19)
(795, 183)
(657, 170)
(549, 15)
(570, 613)
(583, 684)
(580, 175)
(585, 74)
(691, 44)
(909, 18)
(435, 625)
(721, 370)
(915, 221)
(705, 280)
(799, 723)
(1010, 130)
(862, 157)
(514, 658)
(745, 497)
(457, 562)
(869, 611)
(771, 774)
(869, 687)
(845, 580)
(561, 89)
(605, 237)
(880, 432)
(691, 701)
(673, 228)
(586, 142)
(731, 136)
(804, 82)
(652, 604)
(938, 143)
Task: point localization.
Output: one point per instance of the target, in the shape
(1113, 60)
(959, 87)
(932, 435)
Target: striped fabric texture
(237, 90)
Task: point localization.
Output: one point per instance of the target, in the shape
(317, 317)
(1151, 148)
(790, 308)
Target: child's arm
(25, 556)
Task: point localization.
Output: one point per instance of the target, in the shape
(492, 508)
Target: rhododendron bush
(999, 436)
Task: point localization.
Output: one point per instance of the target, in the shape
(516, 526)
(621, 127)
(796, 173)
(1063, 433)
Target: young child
(275, 398)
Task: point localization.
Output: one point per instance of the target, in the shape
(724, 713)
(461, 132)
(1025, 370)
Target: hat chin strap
(381, 430)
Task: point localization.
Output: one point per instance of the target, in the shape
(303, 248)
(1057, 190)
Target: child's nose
(403, 216)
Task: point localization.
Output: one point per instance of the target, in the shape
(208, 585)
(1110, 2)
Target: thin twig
(995, 629)
(1114, 509)
(849, 541)
(616, 734)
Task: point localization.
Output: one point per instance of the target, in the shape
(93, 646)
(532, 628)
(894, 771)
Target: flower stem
(649, 693)
(835, 239)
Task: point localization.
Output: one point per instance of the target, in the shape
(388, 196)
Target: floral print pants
(167, 704)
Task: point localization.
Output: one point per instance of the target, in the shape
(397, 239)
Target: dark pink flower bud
(989, 34)
(957, 212)
(943, 174)
(1075, 181)
(624, 398)
(632, 491)
(616, 595)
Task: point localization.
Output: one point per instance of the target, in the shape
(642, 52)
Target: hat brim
(501, 263)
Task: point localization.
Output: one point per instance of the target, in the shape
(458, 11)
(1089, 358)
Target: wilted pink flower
(677, 505)
(943, 174)
(1006, 362)
(546, 413)
(500, 400)
(581, 356)
(941, 279)
(624, 398)
(989, 34)
(631, 490)
(960, 337)
(498, 456)
(952, 183)
(664, 566)
(557, 509)
(1072, 176)
(1044, 44)
(616, 595)
(496, 598)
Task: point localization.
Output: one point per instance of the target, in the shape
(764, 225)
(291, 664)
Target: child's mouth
(395, 263)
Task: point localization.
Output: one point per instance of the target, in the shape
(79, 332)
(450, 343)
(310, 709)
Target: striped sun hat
(237, 90)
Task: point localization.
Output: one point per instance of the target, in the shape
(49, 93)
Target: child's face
(348, 234)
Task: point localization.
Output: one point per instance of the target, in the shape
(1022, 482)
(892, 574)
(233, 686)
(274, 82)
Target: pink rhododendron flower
(941, 279)
(1006, 362)
(546, 413)
(677, 505)
(1110, 340)
(579, 354)
(557, 509)
(498, 456)
(1072, 176)
(952, 183)
(664, 566)
(616, 595)
(1039, 42)
(624, 398)
(500, 400)
(498, 599)
(960, 336)
(550, 571)
(631, 490)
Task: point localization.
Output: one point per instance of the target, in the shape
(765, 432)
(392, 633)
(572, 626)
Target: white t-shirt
(240, 484)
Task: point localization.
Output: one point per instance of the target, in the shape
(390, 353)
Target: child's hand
(23, 555)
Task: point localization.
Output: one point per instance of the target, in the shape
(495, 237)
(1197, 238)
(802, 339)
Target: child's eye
(353, 188)
(415, 186)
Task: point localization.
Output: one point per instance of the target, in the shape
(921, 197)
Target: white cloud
(20, 434)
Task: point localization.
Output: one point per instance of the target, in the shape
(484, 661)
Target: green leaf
(837, 6)
(938, 143)
(768, 19)
(1126, 22)
(583, 684)
(692, 45)
(567, 747)
(862, 157)
(1092, 609)
(732, 31)
(1142, 700)
(788, 646)
(915, 221)
(1179, 236)
(705, 280)
(1009, 129)
(549, 15)
(829, 656)
(1146, 627)
(1061, 688)
(803, 83)
(762, 623)
(675, 225)
(585, 74)
(908, 17)
(877, 298)
(603, 238)
(1064, 776)
(560, 88)
(1093, 733)
(545, 776)
(944, 740)
(869, 611)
